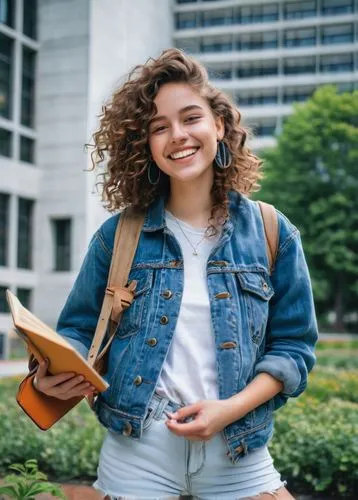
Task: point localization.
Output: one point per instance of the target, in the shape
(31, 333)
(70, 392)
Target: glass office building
(270, 54)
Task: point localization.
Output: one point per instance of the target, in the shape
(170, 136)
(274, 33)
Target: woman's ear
(220, 128)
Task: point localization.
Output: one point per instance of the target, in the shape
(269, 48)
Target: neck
(191, 201)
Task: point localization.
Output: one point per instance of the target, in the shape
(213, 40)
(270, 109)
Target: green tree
(312, 176)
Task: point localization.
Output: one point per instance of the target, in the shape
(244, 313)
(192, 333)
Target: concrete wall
(86, 48)
(62, 95)
(124, 33)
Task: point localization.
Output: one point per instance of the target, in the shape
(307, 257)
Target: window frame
(62, 254)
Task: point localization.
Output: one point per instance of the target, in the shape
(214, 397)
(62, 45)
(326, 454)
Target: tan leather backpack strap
(269, 217)
(117, 296)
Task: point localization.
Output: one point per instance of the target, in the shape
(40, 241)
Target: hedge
(315, 445)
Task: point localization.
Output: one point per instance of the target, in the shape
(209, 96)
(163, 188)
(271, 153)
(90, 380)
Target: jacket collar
(155, 216)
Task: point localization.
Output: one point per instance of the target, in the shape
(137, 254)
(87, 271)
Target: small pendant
(195, 253)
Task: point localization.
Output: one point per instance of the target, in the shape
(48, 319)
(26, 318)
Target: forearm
(262, 388)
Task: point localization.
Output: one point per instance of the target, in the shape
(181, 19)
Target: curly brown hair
(122, 138)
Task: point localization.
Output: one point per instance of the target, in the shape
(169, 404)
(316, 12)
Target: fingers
(75, 386)
(194, 428)
(42, 369)
(187, 411)
(62, 386)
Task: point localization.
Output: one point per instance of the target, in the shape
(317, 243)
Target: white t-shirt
(189, 371)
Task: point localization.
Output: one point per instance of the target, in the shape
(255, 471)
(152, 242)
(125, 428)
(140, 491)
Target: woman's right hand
(62, 386)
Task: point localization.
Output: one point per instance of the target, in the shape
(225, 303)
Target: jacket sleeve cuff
(282, 368)
(79, 346)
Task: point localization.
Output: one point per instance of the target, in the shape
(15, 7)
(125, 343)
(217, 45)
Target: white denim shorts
(163, 466)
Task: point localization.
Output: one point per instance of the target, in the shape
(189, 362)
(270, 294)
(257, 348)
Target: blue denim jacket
(264, 324)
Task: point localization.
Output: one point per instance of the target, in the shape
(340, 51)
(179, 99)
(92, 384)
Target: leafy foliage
(70, 449)
(315, 446)
(28, 482)
(312, 176)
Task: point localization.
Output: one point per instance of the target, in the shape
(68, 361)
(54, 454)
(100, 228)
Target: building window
(299, 10)
(258, 41)
(28, 87)
(4, 308)
(342, 33)
(187, 1)
(336, 63)
(25, 233)
(265, 129)
(189, 45)
(30, 18)
(4, 228)
(222, 44)
(24, 295)
(6, 48)
(217, 18)
(257, 14)
(219, 73)
(258, 68)
(297, 94)
(300, 37)
(345, 87)
(334, 7)
(27, 150)
(7, 11)
(263, 97)
(5, 142)
(299, 65)
(186, 20)
(62, 244)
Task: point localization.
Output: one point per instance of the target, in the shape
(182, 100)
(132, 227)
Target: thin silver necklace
(194, 247)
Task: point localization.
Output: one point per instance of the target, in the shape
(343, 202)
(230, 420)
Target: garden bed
(315, 445)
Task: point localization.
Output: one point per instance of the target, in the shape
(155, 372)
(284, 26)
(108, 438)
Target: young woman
(212, 343)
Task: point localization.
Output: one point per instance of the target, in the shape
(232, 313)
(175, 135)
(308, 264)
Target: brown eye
(159, 129)
(192, 118)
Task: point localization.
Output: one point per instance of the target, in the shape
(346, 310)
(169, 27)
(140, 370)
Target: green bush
(337, 344)
(315, 445)
(347, 360)
(68, 450)
(330, 383)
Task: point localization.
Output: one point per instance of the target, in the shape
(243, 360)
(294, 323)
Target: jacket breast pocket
(133, 316)
(257, 291)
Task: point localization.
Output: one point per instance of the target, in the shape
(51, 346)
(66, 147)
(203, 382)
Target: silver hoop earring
(223, 157)
(153, 172)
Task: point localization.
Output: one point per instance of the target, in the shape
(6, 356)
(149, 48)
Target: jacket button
(265, 286)
(228, 345)
(127, 430)
(167, 294)
(164, 320)
(138, 380)
(223, 295)
(152, 342)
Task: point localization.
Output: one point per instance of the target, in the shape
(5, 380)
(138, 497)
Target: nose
(179, 134)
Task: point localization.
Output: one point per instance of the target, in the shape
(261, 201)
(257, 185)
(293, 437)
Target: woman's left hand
(207, 418)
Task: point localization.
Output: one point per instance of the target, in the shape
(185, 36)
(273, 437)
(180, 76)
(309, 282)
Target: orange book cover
(43, 342)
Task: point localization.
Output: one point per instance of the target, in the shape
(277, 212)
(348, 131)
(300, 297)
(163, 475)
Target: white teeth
(182, 154)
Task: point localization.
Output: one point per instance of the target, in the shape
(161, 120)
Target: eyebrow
(181, 111)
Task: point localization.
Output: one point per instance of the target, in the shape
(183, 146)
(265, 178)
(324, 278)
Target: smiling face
(184, 133)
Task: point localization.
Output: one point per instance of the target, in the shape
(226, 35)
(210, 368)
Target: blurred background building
(59, 62)
(270, 54)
